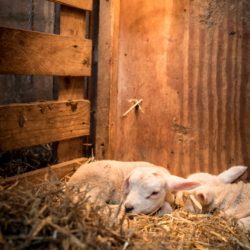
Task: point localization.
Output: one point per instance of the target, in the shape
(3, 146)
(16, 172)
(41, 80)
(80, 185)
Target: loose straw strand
(136, 104)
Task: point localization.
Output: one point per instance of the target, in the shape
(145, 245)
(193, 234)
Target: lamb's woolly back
(227, 176)
(104, 178)
(105, 169)
(203, 178)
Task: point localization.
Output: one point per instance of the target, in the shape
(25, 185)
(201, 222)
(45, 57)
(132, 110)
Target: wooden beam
(72, 23)
(80, 4)
(25, 125)
(45, 174)
(35, 53)
(107, 91)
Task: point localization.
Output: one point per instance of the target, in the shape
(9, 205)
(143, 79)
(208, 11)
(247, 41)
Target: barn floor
(45, 217)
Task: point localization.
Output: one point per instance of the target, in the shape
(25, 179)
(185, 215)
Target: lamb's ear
(204, 198)
(230, 175)
(177, 183)
(126, 184)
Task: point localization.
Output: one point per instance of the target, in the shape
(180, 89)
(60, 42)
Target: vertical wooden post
(107, 79)
(72, 23)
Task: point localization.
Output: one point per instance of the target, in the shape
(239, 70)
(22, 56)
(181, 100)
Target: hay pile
(181, 230)
(45, 217)
(23, 160)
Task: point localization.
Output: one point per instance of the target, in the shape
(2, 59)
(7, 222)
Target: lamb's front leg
(165, 209)
(244, 223)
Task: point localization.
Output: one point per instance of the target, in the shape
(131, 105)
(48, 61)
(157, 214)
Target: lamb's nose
(128, 208)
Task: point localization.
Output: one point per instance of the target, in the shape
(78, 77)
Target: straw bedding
(23, 160)
(45, 217)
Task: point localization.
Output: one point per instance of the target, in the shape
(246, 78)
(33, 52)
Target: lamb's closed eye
(153, 194)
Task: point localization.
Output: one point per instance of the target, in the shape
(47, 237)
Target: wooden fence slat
(39, 175)
(72, 23)
(35, 53)
(80, 4)
(106, 118)
(25, 125)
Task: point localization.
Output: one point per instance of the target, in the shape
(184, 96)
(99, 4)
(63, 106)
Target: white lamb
(228, 176)
(149, 189)
(231, 199)
(104, 181)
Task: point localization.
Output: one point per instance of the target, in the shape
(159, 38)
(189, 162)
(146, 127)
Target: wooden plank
(21, 88)
(25, 125)
(35, 53)
(80, 4)
(72, 23)
(45, 174)
(107, 79)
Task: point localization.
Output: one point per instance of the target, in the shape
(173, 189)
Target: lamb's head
(205, 196)
(148, 190)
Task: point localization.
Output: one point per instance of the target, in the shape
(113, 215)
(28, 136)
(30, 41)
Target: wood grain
(38, 176)
(81, 4)
(188, 62)
(34, 53)
(21, 88)
(25, 125)
(73, 24)
(107, 79)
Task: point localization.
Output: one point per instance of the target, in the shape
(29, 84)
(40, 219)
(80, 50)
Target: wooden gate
(69, 56)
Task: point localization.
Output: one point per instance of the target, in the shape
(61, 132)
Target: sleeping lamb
(103, 180)
(146, 187)
(226, 177)
(148, 190)
(231, 199)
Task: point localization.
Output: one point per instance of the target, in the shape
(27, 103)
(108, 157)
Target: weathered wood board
(21, 88)
(72, 24)
(25, 125)
(80, 4)
(45, 174)
(189, 62)
(34, 53)
(107, 80)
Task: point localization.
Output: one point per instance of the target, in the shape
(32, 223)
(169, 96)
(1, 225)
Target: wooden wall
(189, 62)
